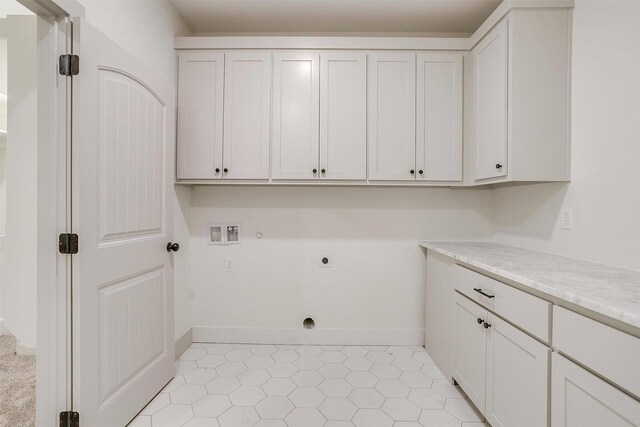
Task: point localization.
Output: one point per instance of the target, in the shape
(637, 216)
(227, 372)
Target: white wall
(377, 280)
(604, 194)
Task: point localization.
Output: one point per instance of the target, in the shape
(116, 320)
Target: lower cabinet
(503, 371)
(581, 399)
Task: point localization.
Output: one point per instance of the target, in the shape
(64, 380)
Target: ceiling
(411, 17)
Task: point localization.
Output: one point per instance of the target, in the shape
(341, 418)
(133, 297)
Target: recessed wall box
(216, 235)
(232, 233)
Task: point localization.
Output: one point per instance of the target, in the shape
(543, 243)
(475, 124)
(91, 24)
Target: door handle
(478, 290)
(173, 247)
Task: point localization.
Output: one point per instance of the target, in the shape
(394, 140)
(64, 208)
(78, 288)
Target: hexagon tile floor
(237, 385)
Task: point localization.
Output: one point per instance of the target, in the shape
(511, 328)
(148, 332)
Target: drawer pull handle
(487, 325)
(478, 290)
(480, 320)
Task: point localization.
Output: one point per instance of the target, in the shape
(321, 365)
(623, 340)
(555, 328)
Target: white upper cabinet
(392, 116)
(296, 115)
(200, 101)
(343, 116)
(247, 115)
(490, 107)
(439, 117)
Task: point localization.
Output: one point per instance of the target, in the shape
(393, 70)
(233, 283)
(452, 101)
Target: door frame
(53, 355)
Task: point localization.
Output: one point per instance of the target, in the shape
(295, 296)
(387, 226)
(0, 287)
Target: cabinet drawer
(525, 310)
(612, 353)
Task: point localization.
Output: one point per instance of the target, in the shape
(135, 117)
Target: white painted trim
(183, 342)
(318, 336)
(21, 350)
(57, 8)
(3, 331)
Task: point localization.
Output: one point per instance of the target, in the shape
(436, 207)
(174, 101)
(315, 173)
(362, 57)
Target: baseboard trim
(21, 350)
(3, 331)
(183, 342)
(318, 336)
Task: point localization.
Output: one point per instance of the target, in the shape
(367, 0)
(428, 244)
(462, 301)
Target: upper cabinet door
(392, 116)
(343, 116)
(247, 115)
(439, 117)
(200, 96)
(295, 115)
(490, 64)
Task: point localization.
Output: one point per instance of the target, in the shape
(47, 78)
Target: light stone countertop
(610, 291)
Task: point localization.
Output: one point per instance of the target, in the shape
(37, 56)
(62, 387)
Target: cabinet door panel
(470, 353)
(200, 102)
(343, 116)
(514, 358)
(439, 117)
(580, 399)
(296, 115)
(392, 113)
(247, 115)
(490, 67)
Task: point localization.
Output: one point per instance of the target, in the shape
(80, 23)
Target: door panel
(247, 115)
(439, 117)
(295, 115)
(123, 141)
(490, 62)
(392, 116)
(343, 116)
(200, 102)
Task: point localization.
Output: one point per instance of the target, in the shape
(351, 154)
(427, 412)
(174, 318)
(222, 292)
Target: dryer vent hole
(308, 323)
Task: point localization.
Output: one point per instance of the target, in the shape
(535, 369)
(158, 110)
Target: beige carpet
(17, 386)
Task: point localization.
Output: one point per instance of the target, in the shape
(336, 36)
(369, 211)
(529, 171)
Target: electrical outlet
(566, 219)
(229, 265)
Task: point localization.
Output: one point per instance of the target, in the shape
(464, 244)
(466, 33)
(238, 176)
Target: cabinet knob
(217, 170)
(498, 166)
(421, 172)
(323, 170)
(480, 320)
(412, 172)
(487, 325)
(315, 171)
(225, 170)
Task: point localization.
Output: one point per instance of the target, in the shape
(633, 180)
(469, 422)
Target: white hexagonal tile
(379, 357)
(376, 347)
(141, 421)
(159, 402)
(358, 364)
(335, 387)
(362, 379)
(253, 377)
(334, 370)
(399, 351)
(339, 424)
(463, 410)
(309, 350)
(200, 376)
(332, 357)
(202, 422)
(212, 405)
(426, 399)
(278, 387)
(393, 388)
(307, 378)
(219, 348)
(223, 385)
(231, 369)
(172, 416)
(193, 354)
(282, 370)
(211, 361)
(274, 408)
(285, 356)
(308, 363)
(407, 424)
(354, 351)
(271, 423)
(176, 382)
(401, 410)
(423, 357)
(438, 418)
(385, 372)
(306, 397)
(259, 362)
(337, 408)
(247, 396)
(305, 417)
(238, 355)
(263, 350)
(433, 372)
(407, 364)
(416, 379)
(187, 394)
(184, 366)
(448, 390)
(239, 417)
(287, 347)
(243, 346)
(372, 418)
(366, 398)
(472, 424)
